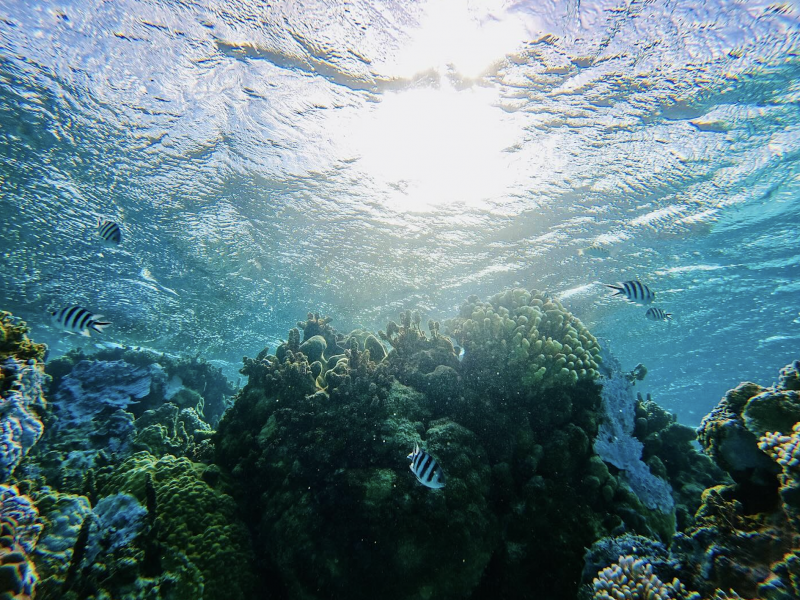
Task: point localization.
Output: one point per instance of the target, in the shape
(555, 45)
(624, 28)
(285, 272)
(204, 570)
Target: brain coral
(528, 335)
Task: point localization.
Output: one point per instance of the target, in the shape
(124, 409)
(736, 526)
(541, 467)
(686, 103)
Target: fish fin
(98, 326)
(86, 333)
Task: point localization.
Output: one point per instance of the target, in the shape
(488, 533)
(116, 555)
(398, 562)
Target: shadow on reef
(118, 487)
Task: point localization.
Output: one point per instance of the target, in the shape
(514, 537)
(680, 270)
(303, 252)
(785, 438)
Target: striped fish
(635, 291)
(595, 250)
(109, 232)
(657, 314)
(426, 469)
(74, 319)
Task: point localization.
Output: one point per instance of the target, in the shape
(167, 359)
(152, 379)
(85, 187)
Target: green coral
(169, 430)
(193, 519)
(525, 339)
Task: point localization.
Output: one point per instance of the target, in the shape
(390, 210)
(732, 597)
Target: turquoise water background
(359, 158)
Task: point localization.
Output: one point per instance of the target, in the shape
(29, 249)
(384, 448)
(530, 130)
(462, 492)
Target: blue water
(359, 158)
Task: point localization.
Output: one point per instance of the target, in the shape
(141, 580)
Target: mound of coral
(315, 444)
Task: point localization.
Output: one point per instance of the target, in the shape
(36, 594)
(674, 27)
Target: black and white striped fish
(635, 291)
(74, 319)
(426, 469)
(109, 232)
(657, 314)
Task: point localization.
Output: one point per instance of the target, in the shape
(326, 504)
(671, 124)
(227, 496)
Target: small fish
(635, 291)
(74, 319)
(426, 469)
(657, 314)
(595, 250)
(109, 232)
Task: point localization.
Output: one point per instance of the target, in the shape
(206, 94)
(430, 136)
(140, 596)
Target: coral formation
(15, 343)
(670, 452)
(18, 576)
(528, 334)
(315, 444)
(616, 445)
(194, 524)
(21, 404)
(745, 535)
(632, 578)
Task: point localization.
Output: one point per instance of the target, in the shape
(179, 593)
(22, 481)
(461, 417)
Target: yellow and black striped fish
(426, 469)
(74, 319)
(109, 232)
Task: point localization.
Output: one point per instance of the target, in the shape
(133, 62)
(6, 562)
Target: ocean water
(357, 159)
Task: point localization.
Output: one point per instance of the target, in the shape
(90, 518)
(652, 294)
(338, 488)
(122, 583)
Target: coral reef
(522, 339)
(315, 445)
(21, 406)
(669, 451)
(616, 445)
(745, 535)
(194, 525)
(22, 403)
(186, 382)
(632, 578)
(18, 576)
(15, 343)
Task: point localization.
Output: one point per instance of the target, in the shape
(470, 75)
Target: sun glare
(437, 146)
(466, 35)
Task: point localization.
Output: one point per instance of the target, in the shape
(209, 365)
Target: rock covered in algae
(523, 338)
(745, 535)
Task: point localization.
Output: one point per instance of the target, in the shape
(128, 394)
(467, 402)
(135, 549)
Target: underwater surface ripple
(269, 160)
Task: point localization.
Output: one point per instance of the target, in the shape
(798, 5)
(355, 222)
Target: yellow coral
(15, 342)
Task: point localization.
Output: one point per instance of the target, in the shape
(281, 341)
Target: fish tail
(619, 288)
(98, 326)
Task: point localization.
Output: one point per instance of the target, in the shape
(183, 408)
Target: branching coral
(785, 450)
(526, 333)
(632, 578)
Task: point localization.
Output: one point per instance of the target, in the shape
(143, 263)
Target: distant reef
(128, 474)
